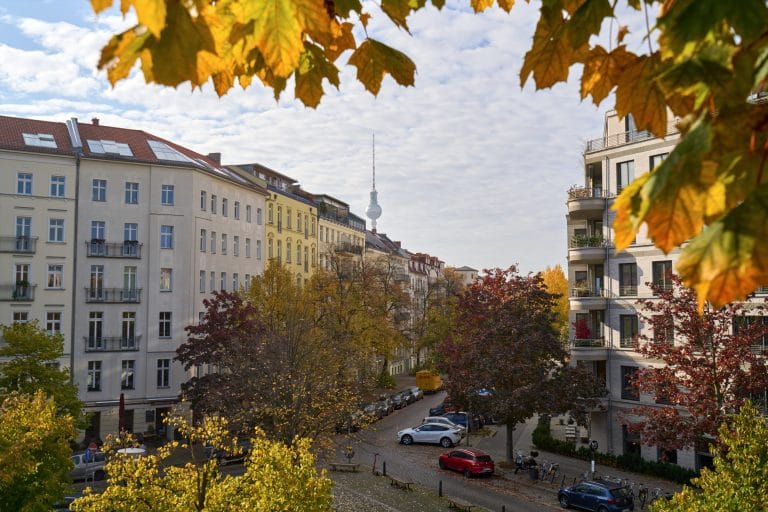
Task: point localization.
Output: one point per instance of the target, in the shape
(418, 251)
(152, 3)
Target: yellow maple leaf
(506, 4)
(373, 59)
(602, 71)
(150, 13)
(481, 5)
(637, 93)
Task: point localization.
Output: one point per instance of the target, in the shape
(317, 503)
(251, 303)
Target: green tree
(277, 476)
(34, 452)
(739, 480)
(706, 65)
(31, 357)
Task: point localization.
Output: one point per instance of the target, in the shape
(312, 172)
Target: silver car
(435, 433)
(84, 469)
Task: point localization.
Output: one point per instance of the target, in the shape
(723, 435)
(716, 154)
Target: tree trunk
(510, 441)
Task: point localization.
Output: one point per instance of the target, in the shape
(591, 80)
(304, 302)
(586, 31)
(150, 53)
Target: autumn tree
(557, 284)
(739, 480)
(705, 64)
(433, 310)
(503, 340)
(277, 476)
(34, 452)
(272, 366)
(701, 367)
(30, 357)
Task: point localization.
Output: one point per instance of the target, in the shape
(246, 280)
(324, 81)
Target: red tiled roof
(13, 128)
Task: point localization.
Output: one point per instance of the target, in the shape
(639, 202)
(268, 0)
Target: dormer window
(42, 140)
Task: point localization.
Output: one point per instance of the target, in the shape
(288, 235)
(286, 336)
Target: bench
(344, 466)
(400, 484)
(459, 504)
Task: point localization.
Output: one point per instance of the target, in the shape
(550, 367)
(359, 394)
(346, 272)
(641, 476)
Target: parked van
(85, 469)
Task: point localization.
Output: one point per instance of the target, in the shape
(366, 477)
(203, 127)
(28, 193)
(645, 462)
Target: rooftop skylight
(165, 152)
(109, 147)
(43, 140)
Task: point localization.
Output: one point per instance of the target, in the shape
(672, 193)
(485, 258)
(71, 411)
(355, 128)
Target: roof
(256, 168)
(12, 130)
(465, 269)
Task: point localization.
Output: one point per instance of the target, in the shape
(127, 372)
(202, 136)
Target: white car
(445, 421)
(436, 433)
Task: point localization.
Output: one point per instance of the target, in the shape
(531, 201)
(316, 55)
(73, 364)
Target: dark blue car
(597, 496)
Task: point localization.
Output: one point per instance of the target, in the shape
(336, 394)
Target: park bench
(459, 504)
(344, 466)
(400, 484)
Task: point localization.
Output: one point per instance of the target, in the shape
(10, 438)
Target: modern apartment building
(605, 286)
(37, 187)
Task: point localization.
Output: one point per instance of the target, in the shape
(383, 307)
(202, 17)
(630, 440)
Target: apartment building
(341, 233)
(37, 186)
(605, 285)
(291, 222)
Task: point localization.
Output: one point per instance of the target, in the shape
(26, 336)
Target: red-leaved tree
(700, 380)
(503, 340)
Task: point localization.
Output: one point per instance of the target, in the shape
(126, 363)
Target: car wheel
(446, 443)
(99, 475)
(602, 509)
(441, 464)
(467, 474)
(563, 499)
(406, 439)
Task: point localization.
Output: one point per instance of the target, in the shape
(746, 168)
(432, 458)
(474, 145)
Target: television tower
(373, 211)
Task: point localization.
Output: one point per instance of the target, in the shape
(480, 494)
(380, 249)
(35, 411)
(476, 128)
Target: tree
(502, 340)
(705, 65)
(701, 366)
(277, 476)
(556, 283)
(32, 364)
(739, 480)
(34, 452)
(433, 310)
(272, 365)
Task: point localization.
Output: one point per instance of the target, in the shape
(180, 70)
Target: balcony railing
(588, 343)
(588, 193)
(18, 244)
(348, 247)
(111, 343)
(587, 291)
(126, 249)
(582, 241)
(619, 139)
(628, 290)
(113, 295)
(17, 292)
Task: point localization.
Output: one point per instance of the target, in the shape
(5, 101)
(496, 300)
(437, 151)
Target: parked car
(597, 495)
(445, 421)
(462, 418)
(443, 408)
(469, 461)
(386, 404)
(372, 412)
(408, 396)
(350, 424)
(63, 505)
(224, 457)
(88, 465)
(417, 393)
(430, 433)
(397, 400)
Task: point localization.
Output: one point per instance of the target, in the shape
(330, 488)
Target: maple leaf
(373, 59)
(586, 21)
(638, 93)
(399, 10)
(602, 71)
(309, 77)
(504, 4)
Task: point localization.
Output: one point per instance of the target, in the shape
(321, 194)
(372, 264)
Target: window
(129, 284)
(203, 199)
(43, 140)
(109, 146)
(163, 373)
(98, 230)
(236, 245)
(298, 221)
(627, 330)
(247, 282)
(126, 376)
(313, 227)
(213, 203)
(223, 243)
(258, 216)
(95, 330)
(57, 186)
(223, 283)
(288, 251)
(235, 281)
(298, 254)
(213, 281)
(627, 279)
(321, 236)
(202, 281)
(20, 317)
(99, 190)
(269, 248)
(224, 206)
(269, 214)
(247, 212)
(128, 329)
(166, 275)
(247, 247)
(130, 232)
(24, 183)
(628, 391)
(55, 230)
(53, 322)
(288, 214)
(131, 193)
(279, 219)
(55, 276)
(166, 195)
(96, 282)
(94, 375)
(663, 329)
(655, 160)
(166, 237)
(258, 249)
(625, 173)
(164, 327)
(753, 326)
(662, 275)
(213, 242)
(165, 152)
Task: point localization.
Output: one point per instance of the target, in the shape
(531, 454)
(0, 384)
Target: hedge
(542, 439)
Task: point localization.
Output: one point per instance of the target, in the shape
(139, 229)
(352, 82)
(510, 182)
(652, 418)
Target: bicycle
(549, 471)
(642, 496)
(658, 493)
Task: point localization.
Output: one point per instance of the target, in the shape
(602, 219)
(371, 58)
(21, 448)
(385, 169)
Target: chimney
(95, 121)
(216, 157)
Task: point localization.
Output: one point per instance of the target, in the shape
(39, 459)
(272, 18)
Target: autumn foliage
(717, 361)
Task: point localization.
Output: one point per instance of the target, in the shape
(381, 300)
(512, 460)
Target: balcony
(620, 139)
(347, 247)
(587, 249)
(585, 297)
(18, 244)
(17, 292)
(588, 349)
(111, 343)
(584, 202)
(627, 290)
(113, 295)
(96, 248)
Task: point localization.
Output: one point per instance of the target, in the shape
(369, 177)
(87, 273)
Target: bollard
(440, 489)
(384, 468)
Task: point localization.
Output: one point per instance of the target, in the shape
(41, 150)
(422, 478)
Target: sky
(469, 167)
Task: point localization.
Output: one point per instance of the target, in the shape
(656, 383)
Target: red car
(469, 461)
